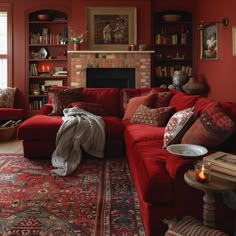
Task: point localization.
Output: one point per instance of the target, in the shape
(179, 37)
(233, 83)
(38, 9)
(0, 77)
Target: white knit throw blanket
(79, 129)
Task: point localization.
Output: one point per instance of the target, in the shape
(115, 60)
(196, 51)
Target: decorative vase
(76, 46)
(179, 78)
(193, 86)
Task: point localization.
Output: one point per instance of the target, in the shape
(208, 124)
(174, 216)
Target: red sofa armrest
(46, 109)
(177, 165)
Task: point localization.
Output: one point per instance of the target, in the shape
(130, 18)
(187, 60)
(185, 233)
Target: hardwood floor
(11, 146)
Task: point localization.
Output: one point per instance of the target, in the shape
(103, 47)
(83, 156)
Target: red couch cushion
(140, 132)
(11, 114)
(109, 98)
(154, 180)
(43, 127)
(94, 108)
(40, 127)
(182, 101)
(114, 127)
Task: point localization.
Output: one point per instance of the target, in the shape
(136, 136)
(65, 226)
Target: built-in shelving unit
(172, 44)
(47, 54)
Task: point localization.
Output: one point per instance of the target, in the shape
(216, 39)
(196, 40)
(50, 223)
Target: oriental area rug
(98, 199)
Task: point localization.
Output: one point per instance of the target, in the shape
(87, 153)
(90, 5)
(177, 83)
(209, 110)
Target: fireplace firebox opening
(110, 78)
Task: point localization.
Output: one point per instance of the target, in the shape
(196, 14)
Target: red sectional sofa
(157, 174)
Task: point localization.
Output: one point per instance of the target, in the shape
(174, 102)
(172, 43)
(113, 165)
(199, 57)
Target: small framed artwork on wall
(209, 42)
(234, 39)
(111, 28)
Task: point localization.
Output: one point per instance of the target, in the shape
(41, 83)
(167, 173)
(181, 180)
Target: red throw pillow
(178, 124)
(61, 98)
(182, 101)
(211, 128)
(95, 108)
(163, 99)
(155, 117)
(147, 100)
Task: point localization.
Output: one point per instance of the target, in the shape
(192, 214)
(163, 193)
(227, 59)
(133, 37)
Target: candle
(47, 68)
(201, 176)
(202, 172)
(43, 68)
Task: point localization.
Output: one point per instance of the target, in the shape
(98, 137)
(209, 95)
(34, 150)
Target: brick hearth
(80, 60)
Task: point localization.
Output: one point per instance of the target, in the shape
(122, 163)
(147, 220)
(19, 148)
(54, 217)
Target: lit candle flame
(201, 173)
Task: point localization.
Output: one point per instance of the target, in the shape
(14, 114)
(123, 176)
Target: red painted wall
(219, 74)
(77, 20)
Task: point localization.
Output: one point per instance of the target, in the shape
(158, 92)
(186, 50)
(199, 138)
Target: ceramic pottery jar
(179, 78)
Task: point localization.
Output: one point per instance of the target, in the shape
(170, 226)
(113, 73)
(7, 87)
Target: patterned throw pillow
(190, 226)
(155, 116)
(178, 124)
(94, 108)
(7, 97)
(147, 100)
(211, 128)
(61, 98)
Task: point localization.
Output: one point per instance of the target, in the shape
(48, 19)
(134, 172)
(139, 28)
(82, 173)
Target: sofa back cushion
(182, 101)
(109, 98)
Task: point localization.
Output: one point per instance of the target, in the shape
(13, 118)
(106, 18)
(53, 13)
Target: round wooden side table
(213, 186)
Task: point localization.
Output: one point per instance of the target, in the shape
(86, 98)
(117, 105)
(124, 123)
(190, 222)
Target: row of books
(168, 71)
(38, 103)
(223, 165)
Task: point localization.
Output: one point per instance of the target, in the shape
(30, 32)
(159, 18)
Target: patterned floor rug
(98, 199)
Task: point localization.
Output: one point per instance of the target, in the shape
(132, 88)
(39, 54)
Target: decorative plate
(188, 150)
(43, 53)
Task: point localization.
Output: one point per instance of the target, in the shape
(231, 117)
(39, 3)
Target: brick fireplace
(79, 61)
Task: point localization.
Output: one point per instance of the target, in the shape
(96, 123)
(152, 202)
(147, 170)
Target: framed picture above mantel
(111, 28)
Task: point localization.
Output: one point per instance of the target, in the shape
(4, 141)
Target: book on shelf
(222, 161)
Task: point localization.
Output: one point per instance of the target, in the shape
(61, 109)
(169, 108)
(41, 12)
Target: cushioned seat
(11, 114)
(155, 181)
(140, 132)
(45, 127)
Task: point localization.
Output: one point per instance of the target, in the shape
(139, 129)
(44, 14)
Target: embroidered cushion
(178, 124)
(95, 108)
(190, 226)
(152, 116)
(147, 100)
(61, 98)
(7, 96)
(211, 128)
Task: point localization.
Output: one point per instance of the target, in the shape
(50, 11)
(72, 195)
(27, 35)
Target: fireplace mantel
(80, 60)
(109, 52)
